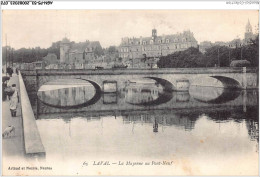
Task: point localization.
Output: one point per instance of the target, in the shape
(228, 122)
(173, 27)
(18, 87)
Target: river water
(200, 132)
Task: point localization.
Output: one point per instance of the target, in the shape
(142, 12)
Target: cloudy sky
(32, 28)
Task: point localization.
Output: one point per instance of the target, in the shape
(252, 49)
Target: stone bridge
(170, 78)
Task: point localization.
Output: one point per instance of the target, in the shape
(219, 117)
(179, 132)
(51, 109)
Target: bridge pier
(182, 85)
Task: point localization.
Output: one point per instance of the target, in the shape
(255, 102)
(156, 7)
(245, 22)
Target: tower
(154, 34)
(248, 27)
(64, 49)
(248, 33)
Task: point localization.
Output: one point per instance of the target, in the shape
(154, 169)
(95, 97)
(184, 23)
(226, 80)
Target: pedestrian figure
(16, 71)
(5, 80)
(14, 100)
(9, 71)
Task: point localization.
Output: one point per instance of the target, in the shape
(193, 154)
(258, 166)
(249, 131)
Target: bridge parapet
(141, 71)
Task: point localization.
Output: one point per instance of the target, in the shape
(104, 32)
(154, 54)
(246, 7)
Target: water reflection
(144, 121)
(146, 94)
(68, 93)
(216, 95)
(136, 94)
(180, 109)
(184, 121)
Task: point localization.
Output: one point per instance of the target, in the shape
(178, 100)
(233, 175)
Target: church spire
(248, 27)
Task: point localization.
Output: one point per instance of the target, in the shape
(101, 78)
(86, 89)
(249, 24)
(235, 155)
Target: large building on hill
(78, 53)
(155, 46)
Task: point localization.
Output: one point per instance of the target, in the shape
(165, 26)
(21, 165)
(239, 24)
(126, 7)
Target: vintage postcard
(129, 91)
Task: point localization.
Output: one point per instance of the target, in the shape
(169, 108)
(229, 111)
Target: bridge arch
(167, 86)
(228, 82)
(215, 81)
(93, 100)
(42, 80)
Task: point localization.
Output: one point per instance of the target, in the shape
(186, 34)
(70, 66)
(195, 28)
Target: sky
(33, 28)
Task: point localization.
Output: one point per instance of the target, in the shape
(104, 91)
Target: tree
(98, 51)
(191, 57)
(112, 49)
(251, 52)
(217, 55)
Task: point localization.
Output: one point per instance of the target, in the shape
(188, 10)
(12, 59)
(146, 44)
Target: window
(151, 41)
(144, 42)
(167, 40)
(159, 41)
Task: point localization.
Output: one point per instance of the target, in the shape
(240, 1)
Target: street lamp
(218, 59)
(229, 56)
(6, 55)
(241, 52)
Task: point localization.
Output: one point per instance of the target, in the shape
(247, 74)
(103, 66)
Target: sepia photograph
(130, 92)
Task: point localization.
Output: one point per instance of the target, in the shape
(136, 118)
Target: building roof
(180, 37)
(87, 46)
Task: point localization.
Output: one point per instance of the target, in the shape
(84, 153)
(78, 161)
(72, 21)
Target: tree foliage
(214, 56)
(29, 55)
(191, 57)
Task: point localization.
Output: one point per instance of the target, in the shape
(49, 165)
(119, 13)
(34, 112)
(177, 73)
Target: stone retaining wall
(32, 139)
